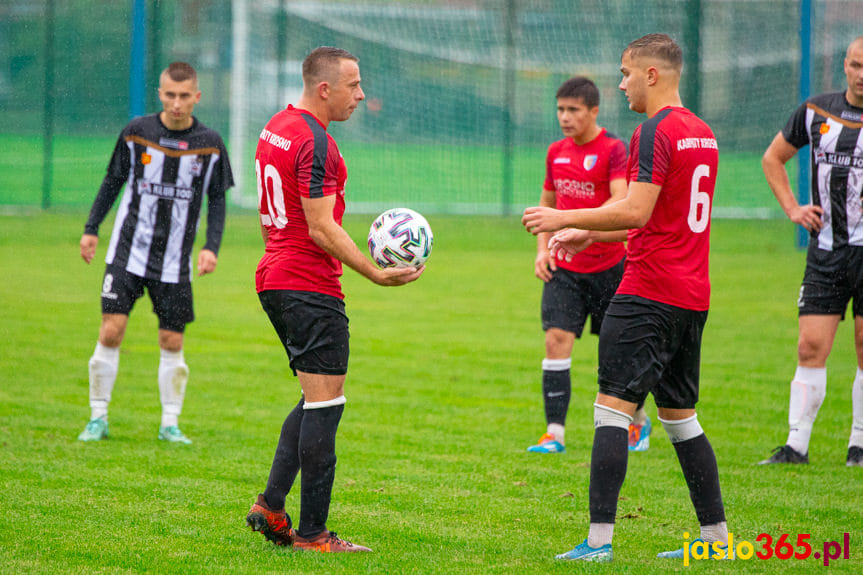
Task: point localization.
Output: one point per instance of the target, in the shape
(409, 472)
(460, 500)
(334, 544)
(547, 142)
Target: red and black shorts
(172, 302)
(650, 347)
(313, 328)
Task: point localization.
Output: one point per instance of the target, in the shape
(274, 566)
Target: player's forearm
(779, 182)
(615, 236)
(215, 222)
(334, 240)
(542, 242)
(619, 216)
(108, 192)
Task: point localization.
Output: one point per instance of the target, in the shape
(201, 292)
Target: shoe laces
(278, 521)
(333, 538)
(786, 450)
(546, 437)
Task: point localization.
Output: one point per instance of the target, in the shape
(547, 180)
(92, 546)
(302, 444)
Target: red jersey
(667, 259)
(297, 157)
(579, 176)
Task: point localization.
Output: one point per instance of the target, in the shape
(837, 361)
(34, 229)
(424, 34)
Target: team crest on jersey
(197, 166)
(825, 127)
(146, 158)
(590, 161)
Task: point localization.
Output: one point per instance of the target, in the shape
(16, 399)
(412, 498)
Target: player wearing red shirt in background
(651, 336)
(301, 186)
(586, 169)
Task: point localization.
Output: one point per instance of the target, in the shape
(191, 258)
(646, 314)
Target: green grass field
(443, 397)
(431, 178)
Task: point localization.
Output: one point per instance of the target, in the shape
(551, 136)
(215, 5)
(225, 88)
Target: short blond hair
(658, 46)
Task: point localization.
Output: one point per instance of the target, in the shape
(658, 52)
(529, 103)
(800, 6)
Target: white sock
(173, 375)
(857, 410)
(807, 394)
(680, 430)
(102, 367)
(715, 532)
(600, 534)
(558, 431)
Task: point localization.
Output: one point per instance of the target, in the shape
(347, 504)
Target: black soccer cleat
(855, 456)
(786, 454)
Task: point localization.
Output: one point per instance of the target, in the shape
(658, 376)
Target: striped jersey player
(167, 174)
(168, 162)
(832, 126)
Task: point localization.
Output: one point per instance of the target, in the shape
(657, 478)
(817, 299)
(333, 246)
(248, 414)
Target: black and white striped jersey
(834, 130)
(166, 174)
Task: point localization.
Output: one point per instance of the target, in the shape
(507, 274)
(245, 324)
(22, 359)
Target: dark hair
(581, 88)
(321, 62)
(659, 46)
(180, 72)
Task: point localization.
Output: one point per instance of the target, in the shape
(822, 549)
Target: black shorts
(831, 280)
(569, 297)
(647, 346)
(313, 328)
(172, 303)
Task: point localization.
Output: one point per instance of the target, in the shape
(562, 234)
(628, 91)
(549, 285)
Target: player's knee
(170, 340)
(811, 351)
(558, 343)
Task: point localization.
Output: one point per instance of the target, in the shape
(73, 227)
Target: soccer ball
(400, 238)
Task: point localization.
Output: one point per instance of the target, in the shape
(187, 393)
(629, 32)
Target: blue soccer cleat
(96, 430)
(547, 444)
(172, 434)
(639, 436)
(584, 552)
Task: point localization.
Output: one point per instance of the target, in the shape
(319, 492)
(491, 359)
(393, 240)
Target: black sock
(607, 471)
(318, 462)
(702, 476)
(556, 391)
(286, 462)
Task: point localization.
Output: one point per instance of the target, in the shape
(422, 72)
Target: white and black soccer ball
(400, 238)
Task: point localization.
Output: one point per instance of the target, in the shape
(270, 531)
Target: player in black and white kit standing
(830, 124)
(168, 162)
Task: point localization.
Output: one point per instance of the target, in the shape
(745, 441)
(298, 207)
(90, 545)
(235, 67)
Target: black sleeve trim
(108, 192)
(319, 160)
(215, 221)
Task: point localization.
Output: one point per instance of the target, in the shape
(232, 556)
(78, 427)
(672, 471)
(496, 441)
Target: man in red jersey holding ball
(650, 340)
(301, 186)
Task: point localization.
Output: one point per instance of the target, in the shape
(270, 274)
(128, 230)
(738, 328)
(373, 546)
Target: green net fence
(460, 94)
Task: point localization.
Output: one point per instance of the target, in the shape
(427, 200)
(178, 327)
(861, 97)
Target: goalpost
(242, 194)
